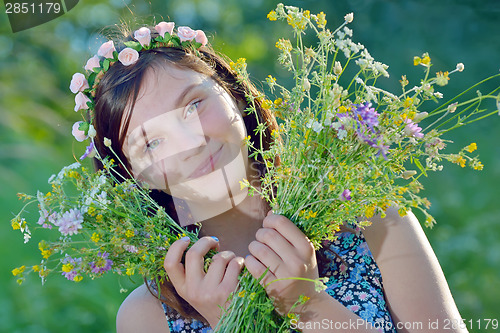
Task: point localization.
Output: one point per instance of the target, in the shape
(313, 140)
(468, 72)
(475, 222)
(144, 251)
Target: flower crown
(84, 86)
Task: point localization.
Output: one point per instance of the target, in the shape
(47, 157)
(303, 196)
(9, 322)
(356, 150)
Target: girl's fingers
(257, 269)
(195, 257)
(233, 269)
(266, 255)
(290, 232)
(172, 263)
(218, 266)
(277, 243)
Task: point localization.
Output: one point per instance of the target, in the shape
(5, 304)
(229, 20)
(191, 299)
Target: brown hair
(114, 101)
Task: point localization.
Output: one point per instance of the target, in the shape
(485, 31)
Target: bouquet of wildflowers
(347, 150)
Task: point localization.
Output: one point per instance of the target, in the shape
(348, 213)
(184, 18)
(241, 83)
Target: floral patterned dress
(354, 280)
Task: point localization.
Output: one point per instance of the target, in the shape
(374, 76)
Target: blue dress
(354, 280)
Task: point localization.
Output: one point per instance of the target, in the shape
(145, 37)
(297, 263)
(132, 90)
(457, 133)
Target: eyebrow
(178, 102)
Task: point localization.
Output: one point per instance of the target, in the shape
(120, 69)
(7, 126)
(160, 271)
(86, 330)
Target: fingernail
(216, 239)
(185, 239)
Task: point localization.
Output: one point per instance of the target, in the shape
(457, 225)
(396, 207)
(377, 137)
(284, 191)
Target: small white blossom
(460, 67)
(107, 142)
(91, 133)
(349, 17)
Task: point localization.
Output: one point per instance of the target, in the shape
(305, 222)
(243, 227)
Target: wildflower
(89, 151)
(95, 237)
(321, 20)
(107, 142)
(366, 115)
(452, 107)
(18, 271)
(470, 148)
(306, 84)
(15, 224)
(284, 45)
(239, 65)
(458, 159)
(267, 104)
(129, 233)
(130, 271)
(411, 129)
(404, 81)
(349, 17)
(345, 196)
(272, 16)
(442, 78)
(314, 125)
(477, 165)
(460, 67)
(130, 248)
(407, 174)
(101, 264)
(70, 222)
(338, 68)
(242, 293)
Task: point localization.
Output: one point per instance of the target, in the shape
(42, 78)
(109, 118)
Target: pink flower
(143, 36)
(128, 56)
(92, 63)
(163, 27)
(201, 37)
(106, 50)
(70, 222)
(186, 33)
(411, 129)
(78, 83)
(77, 133)
(81, 101)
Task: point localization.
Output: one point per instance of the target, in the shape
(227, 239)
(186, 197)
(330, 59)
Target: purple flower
(89, 151)
(70, 222)
(364, 114)
(101, 264)
(411, 129)
(345, 196)
(75, 271)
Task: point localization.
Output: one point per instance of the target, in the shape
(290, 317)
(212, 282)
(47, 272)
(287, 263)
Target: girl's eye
(151, 145)
(192, 108)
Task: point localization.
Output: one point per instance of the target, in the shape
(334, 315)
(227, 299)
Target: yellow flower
(67, 268)
(369, 211)
(91, 211)
(408, 102)
(272, 16)
(98, 218)
(284, 45)
(46, 253)
(95, 237)
(307, 14)
(470, 148)
(130, 271)
(18, 271)
(270, 79)
(243, 184)
(426, 60)
(241, 293)
(239, 65)
(35, 268)
(442, 78)
(477, 165)
(277, 102)
(129, 233)
(321, 20)
(78, 278)
(15, 224)
(267, 104)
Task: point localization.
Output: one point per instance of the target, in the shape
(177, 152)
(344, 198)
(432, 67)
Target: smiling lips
(207, 166)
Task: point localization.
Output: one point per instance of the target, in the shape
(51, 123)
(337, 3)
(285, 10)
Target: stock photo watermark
(26, 14)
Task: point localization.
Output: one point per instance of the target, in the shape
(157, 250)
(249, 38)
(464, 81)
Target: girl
(176, 116)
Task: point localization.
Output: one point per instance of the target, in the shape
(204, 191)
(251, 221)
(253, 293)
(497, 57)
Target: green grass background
(36, 117)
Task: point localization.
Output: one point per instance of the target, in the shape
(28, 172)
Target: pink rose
(78, 83)
(81, 101)
(92, 63)
(201, 37)
(78, 134)
(186, 33)
(128, 56)
(106, 50)
(143, 36)
(163, 27)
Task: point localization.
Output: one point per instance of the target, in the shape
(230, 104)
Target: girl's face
(186, 137)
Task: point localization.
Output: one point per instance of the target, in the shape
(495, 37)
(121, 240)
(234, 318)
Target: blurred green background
(36, 115)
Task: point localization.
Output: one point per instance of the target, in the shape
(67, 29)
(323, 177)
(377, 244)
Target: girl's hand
(288, 253)
(209, 291)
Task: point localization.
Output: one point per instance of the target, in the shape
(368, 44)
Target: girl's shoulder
(141, 312)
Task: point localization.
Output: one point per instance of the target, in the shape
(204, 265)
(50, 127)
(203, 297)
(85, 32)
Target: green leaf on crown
(134, 45)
